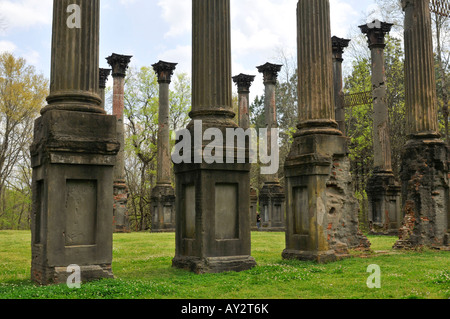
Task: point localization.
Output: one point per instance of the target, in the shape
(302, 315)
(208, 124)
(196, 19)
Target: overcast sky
(153, 30)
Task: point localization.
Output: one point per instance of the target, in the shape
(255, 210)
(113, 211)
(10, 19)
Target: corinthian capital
(119, 64)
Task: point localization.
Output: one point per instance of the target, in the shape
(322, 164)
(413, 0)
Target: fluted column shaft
(74, 78)
(243, 83)
(212, 197)
(420, 78)
(338, 45)
(211, 66)
(164, 71)
(270, 73)
(376, 32)
(73, 154)
(119, 64)
(315, 84)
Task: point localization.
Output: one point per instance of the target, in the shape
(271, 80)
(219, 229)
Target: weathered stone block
(213, 226)
(272, 204)
(385, 214)
(163, 209)
(72, 188)
(425, 193)
(321, 211)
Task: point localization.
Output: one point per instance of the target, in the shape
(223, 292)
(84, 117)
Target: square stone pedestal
(73, 156)
(253, 209)
(321, 211)
(272, 204)
(163, 209)
(385, 213)
(121, 222)
(425, 194)
(212, 213)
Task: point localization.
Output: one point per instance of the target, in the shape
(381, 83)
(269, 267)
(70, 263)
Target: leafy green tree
(22, 95)
(180, 101)
(141, 122)
(395, 97)
(257, 119)
(359, 124)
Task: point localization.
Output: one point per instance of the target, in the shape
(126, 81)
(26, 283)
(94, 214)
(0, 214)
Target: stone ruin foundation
(383, 190)
(73, 156)
(321, 210)
(212, 200)
(425, 169)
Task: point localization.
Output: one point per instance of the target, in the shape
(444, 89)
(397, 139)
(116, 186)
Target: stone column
(243, 82)
(383, 190)
(73, 155)
(424, 174)
(163, 195)
(271, 197)
(119, 64)
(103, 76)
(339, 45)
(321, 210)
(212, 199)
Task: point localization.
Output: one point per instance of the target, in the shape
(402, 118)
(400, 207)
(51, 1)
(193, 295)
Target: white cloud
(179, 16)
(32, 57)
(181, 55)
(127, 2)
(375, 13)
(343, 15)
(259, 29)
(7, 46)
(26, 13)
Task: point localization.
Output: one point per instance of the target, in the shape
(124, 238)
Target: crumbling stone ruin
(78, 161)
(425, 170)
(73, 158)
(212, 200)
(321, 209)
(383, 189)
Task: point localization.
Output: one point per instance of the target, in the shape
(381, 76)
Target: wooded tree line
(23, 93)
(357, 78)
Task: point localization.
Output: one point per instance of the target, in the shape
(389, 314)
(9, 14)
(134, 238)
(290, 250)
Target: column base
(45, 275)
(321, 209)
(214, 264)
(272, 200)
(163, 209)
(385, 215)
(120, 215)
(253, 209)
(73, 156)
(425, 195)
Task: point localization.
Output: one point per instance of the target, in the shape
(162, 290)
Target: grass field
(142, 267)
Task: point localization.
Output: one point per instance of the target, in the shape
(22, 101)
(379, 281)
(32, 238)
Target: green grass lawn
(142, 267)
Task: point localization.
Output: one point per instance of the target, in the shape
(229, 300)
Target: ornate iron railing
(356, 99)
(441, 7)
